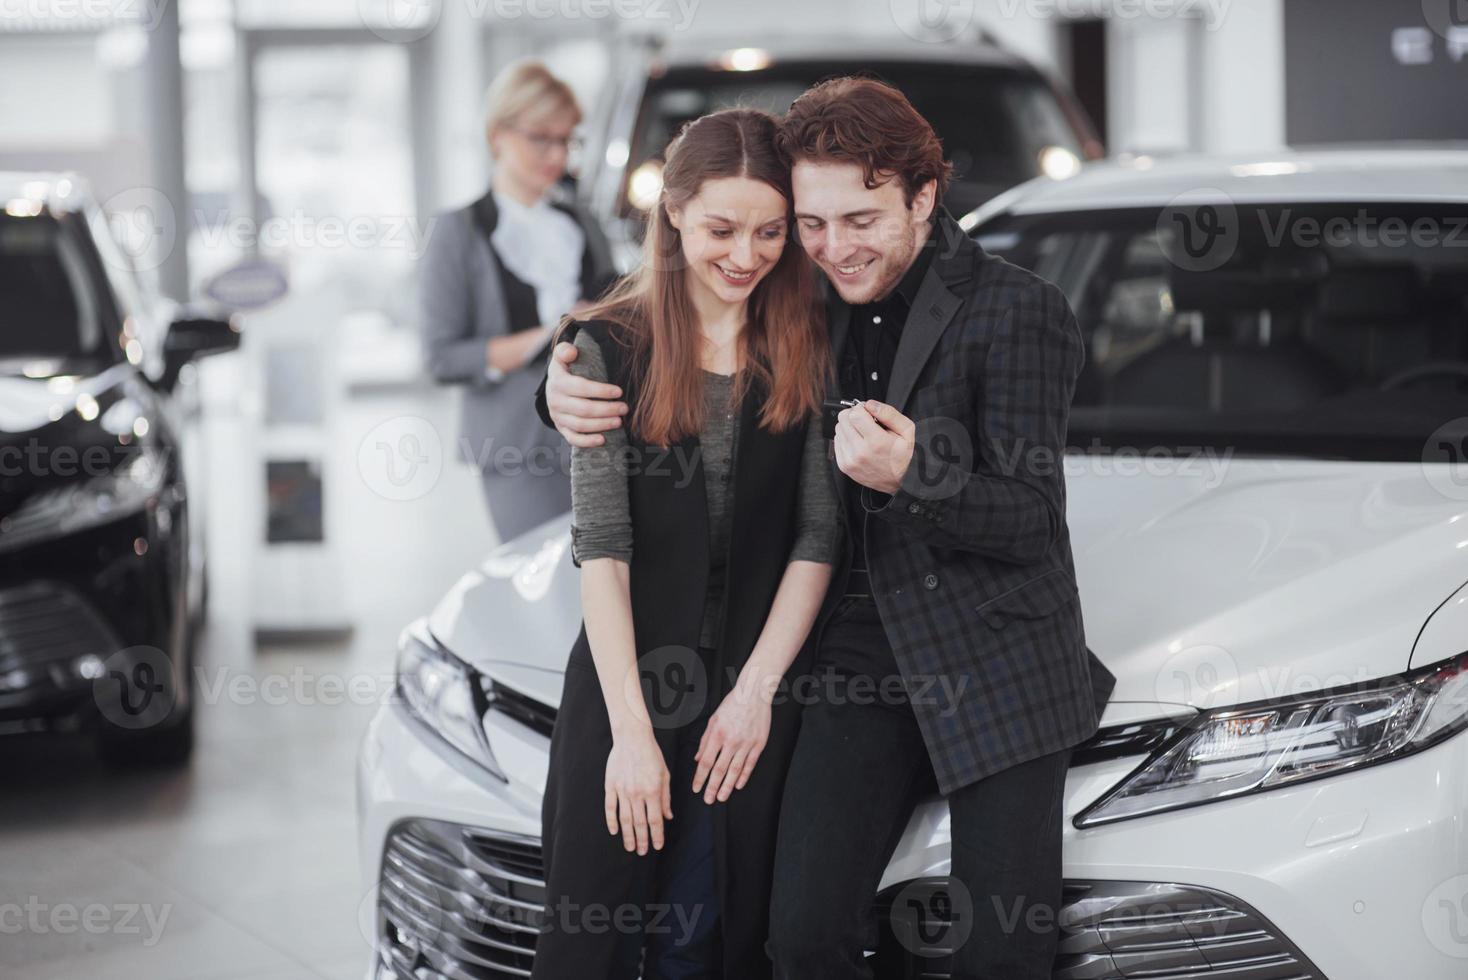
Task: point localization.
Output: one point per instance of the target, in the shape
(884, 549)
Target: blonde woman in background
(497, 277)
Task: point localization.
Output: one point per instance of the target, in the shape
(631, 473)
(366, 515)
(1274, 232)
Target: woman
(497, 278)
(704, 531)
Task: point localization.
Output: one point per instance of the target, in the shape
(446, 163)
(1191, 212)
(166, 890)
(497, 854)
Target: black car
(102, 578)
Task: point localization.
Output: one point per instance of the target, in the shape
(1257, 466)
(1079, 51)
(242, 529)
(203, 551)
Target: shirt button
(897, 592)
(874, 376)
(930, 582)
(724, 478)
(876, 319)
(914, 507)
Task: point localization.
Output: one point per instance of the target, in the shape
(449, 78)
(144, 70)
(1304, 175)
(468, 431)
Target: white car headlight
(444, 693)
(1250, 748)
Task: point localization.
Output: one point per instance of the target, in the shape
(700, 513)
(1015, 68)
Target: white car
(1268, 500)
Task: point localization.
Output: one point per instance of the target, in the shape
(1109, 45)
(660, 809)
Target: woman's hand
(732, 742)
(639, 791)
(513, 351)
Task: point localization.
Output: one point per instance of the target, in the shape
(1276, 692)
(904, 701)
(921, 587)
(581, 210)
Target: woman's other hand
(731, 744)
(513, 351)
(639, 794)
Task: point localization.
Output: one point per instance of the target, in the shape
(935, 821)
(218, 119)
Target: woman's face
(733, 233)
(533, 155)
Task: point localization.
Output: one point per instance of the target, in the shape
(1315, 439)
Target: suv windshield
(1336, 331)
(50, 313)
(994, 121)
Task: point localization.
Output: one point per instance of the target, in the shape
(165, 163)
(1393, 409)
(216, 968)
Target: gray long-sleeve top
(601, 517)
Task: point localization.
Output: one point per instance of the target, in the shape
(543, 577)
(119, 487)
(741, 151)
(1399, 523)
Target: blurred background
(270, 174)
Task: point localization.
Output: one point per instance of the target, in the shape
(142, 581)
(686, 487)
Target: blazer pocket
(1034, 599)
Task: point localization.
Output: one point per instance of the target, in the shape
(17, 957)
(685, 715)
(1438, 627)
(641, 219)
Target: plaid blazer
(970, 560)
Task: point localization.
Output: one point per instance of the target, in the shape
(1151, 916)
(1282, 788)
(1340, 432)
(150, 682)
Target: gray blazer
(463, 304)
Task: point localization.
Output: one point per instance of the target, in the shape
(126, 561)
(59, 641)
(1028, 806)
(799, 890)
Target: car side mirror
(189, 337)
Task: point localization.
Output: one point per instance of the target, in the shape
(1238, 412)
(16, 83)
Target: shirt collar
(509, 206)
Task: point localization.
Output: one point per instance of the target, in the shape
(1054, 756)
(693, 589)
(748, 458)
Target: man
(956, 577)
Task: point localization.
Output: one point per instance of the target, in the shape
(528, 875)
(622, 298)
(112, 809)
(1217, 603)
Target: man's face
(862, 238)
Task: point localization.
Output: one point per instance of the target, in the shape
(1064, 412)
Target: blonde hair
(526, 92)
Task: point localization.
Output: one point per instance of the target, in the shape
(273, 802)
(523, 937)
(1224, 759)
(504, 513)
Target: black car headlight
(447, 695)
(1252, 748)
(83, 504)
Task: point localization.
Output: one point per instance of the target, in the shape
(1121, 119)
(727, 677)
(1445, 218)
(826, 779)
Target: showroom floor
(245, 866)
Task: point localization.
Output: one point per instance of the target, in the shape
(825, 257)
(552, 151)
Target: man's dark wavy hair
(867, 122)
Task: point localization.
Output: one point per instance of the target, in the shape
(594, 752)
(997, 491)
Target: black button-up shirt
(866, 364)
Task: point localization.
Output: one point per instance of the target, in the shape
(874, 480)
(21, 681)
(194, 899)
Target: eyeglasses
(543, 143)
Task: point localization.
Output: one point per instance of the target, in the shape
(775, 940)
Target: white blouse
(542, 246)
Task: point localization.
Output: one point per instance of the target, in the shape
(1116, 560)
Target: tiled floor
(247, 861)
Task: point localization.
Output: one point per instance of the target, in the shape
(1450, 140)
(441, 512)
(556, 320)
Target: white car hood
(1203, 583)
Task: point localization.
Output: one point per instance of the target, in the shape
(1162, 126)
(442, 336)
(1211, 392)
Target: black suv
(102, 577)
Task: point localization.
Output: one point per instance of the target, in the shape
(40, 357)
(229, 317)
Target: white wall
(1205, 76)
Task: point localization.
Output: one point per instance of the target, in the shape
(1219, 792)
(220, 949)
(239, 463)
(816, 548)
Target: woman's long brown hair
(784, 344)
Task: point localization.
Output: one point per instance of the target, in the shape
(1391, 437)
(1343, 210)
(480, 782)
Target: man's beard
(892, 266)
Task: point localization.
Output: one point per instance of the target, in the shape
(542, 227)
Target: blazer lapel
(932, 310)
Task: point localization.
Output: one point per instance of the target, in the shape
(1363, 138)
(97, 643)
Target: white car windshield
(1336, 331)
